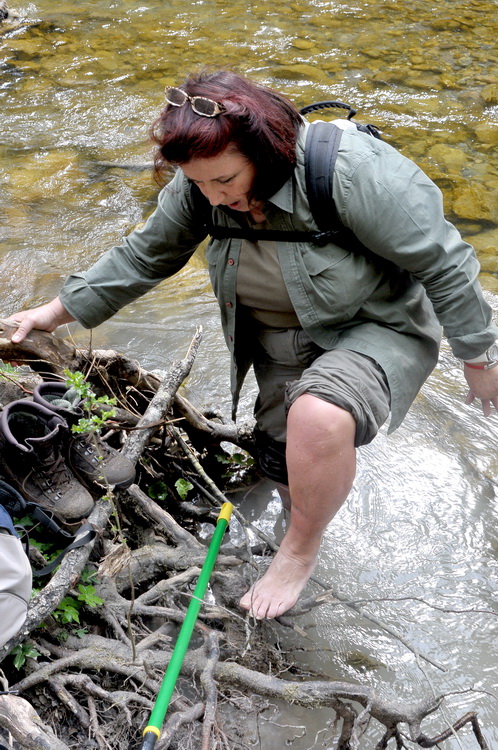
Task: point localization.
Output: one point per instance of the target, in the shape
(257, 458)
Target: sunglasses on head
(200, 104)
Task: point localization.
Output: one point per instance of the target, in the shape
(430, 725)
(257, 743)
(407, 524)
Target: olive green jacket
(391, 313)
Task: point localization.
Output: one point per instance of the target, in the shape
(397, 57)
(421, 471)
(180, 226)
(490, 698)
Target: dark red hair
(260, 122)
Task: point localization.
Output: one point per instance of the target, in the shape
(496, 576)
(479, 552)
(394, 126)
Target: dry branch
(161, 402)
(26, 726)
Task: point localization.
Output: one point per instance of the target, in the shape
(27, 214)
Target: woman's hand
(483, 384)
(45, 318)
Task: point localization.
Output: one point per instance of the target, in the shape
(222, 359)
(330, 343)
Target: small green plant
(12, 371)
(22, 652)
(236, 463)
(68, 610)
(88, 576)
(240, 460)
(158, 491)
(92, 423)
(183, 487)
(88, 596)
(6, 367)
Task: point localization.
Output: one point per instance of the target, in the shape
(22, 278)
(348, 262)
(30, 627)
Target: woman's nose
(214, 194)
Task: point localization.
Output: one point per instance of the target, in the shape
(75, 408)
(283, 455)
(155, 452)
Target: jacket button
(231, 261)
(230, 338)
(229, 304)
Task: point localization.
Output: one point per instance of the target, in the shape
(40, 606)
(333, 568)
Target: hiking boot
(31, 443)
(92, 460)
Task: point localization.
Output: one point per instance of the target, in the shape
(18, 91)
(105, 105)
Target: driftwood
(97, 688)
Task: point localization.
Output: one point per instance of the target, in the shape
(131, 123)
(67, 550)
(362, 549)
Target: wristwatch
(485, 361)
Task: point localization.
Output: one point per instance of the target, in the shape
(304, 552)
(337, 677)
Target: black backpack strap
(322, 145)
(204, 215)
(85, 534)
(277, 235)
(316, 106)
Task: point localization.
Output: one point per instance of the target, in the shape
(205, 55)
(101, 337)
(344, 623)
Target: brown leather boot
(32, 459)
(91, 459)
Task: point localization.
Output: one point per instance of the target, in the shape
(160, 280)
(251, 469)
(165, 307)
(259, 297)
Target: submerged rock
(303, 43)
(448, 158)
(485, 243)
(487, 132)
(472, 202)
(299, 72)
(490, 94)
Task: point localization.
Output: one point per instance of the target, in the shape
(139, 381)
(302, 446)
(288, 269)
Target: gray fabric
(15, 586)
(352, 381)
(342, 299)
(279, 357)
(287, 364)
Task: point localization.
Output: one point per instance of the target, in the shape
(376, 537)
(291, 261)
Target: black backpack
(320, 154)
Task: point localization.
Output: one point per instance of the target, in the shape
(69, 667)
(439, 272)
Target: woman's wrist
(486, 360)
(61, 315)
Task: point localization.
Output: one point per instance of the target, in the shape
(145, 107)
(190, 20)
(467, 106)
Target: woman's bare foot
(280, 587)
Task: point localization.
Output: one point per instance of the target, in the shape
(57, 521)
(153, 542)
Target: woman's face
(225, 180)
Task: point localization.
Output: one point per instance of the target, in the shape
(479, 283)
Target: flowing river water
(80, 84)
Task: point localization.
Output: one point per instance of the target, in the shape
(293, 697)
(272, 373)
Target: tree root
(94, 684)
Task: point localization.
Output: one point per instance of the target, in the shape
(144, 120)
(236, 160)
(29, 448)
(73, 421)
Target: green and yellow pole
(152, 731)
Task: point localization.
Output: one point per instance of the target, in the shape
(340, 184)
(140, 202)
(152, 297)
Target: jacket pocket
(318, 260)
(339, 282)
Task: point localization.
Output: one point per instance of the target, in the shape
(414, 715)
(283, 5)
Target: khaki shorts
(288, 364)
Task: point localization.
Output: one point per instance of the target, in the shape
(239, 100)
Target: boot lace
(51, 477)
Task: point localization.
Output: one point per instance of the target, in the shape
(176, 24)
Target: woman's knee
(320, 422)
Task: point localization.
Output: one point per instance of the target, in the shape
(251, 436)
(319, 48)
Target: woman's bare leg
(321, 463)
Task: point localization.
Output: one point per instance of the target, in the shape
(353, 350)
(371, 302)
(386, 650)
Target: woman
(337, 339)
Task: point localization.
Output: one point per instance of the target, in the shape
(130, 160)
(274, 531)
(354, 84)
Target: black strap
(328, 105)
(322, 145)
(277, 235)
(85, 534)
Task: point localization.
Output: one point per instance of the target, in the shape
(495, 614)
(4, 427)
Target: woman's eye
(224, 182)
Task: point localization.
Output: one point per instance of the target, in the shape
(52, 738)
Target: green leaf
(158, 491)
(67, 611)
(23, 652)
(223, 458)
(88, 596)
(88, 576)
(183, 487)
